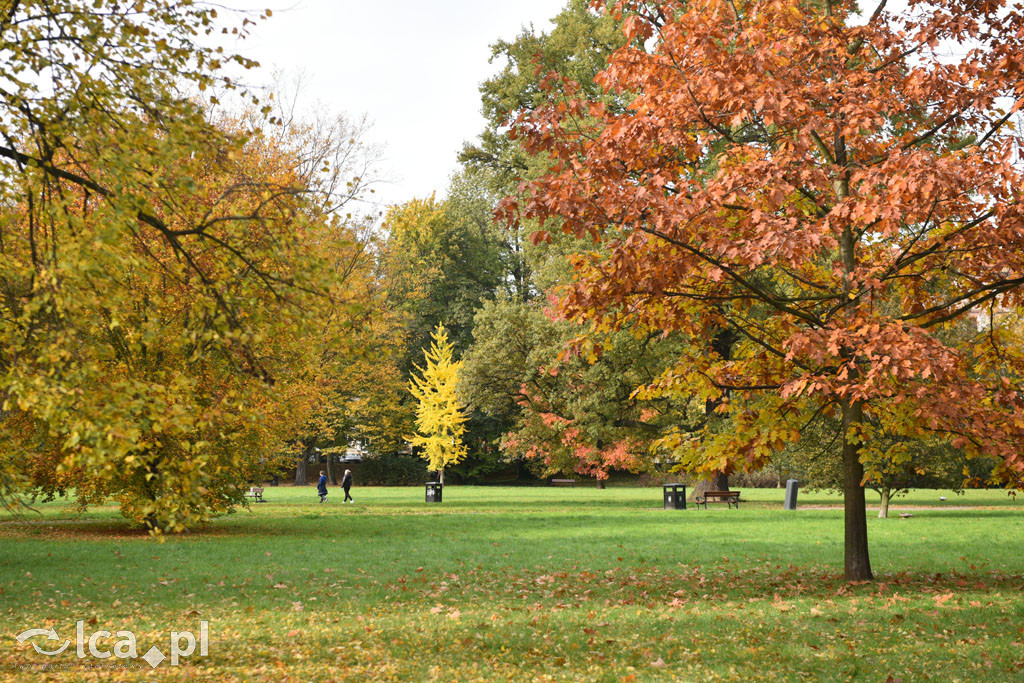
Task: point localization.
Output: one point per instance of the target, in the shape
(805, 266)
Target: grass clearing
(531, 584)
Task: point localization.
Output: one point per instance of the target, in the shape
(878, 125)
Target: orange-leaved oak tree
(831, 187)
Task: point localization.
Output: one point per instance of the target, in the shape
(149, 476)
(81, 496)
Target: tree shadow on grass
(716, 584)
(583, 536)
(71, 528)
(949, 513)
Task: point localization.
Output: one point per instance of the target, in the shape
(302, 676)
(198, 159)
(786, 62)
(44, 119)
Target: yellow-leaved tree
(176, 287)
(440, 416)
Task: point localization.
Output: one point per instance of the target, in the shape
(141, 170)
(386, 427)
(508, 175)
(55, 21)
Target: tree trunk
(300, 466)
(883, 506)
(440, 476)
(600, 483)
(717, 482)
(721, 344)
(856, 561)
(331, 473)
(149, 488)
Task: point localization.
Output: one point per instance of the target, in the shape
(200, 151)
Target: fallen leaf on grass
(659, 662)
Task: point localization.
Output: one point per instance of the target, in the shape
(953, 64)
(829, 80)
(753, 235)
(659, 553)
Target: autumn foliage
(833, 189)
(170, 281)
(440, 414)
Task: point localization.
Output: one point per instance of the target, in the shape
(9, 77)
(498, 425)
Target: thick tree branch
(898, 59)
(762, 294)
(742, 329)
(932, 131)
(878, 12)
(82, 181)
(904, 261)
(11, 11)
(996, 127)
(990, 291)
(823, 148)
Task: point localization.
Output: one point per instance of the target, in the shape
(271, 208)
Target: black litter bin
(434, 491)
(675, 496)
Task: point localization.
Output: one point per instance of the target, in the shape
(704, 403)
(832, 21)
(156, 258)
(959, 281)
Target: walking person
(321, 487)
(346, 483)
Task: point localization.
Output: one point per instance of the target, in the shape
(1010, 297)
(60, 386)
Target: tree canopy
(440, 416)
(834, 191)
(161, 268)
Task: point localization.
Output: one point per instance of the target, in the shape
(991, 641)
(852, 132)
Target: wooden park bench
(256, 493)
(730, 498)
(563, 482)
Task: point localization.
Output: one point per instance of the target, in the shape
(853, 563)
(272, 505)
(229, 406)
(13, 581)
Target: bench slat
(254, 492)
(730, 498)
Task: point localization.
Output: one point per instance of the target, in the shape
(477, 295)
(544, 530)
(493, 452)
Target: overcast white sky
(412, 65)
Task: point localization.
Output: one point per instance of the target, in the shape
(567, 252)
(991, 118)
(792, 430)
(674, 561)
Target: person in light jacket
(321, 487)
(346, 483)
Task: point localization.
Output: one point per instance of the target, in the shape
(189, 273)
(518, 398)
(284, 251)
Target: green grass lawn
(530, 584)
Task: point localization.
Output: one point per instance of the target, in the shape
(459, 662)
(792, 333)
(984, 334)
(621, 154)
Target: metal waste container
(791, 490)
(434, 491)
(675, 496)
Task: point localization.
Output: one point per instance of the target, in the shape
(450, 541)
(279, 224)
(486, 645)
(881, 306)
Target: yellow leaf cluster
(440, 416)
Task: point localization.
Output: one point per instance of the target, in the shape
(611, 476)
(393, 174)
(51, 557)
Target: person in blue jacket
(321, 487)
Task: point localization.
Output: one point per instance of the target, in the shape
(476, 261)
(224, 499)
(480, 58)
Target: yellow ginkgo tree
(440, 416)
